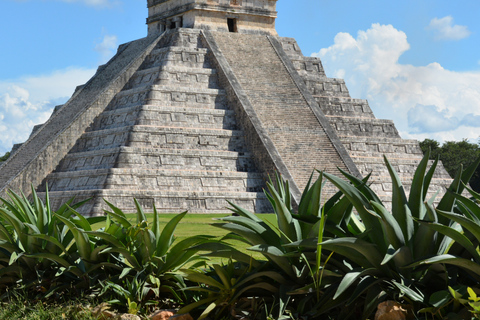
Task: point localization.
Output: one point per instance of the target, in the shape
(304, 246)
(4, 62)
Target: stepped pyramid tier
(202, 111)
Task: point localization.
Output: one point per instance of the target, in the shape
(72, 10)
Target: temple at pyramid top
(242, 16)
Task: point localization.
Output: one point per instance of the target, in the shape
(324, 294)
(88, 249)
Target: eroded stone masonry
(201, 111)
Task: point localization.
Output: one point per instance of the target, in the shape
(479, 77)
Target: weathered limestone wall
(43, 151)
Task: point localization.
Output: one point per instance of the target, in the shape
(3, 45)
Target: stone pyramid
(202, 111)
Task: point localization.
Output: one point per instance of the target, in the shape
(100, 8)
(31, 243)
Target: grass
(17, 309)
(200, 224)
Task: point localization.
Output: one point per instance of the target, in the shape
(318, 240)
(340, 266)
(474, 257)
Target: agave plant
(302, 271)
(384, 258)
(36, 248)
(224, 286)
(148, 256)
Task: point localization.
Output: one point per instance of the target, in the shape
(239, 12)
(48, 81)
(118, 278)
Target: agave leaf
(426, 239)
(258, 286)
(277, 256)
(429, 177)
(235, 237)
(350, 278)
(290, 228)
(130, 258)
(195, 305)
(202, 278)
(470, 208)
(107, 237)
(141, 217)
(361, 184)
(42, 219)
(466, 223)
(457, 187)
(400, 209)
(251, 236)
(456, 236)
(223, 275)
(362, 205)
(391, 227)
(222, 250)
(80, 221)
(416, 199)
(18, 226)
(402, 257)
(167, 237)
(260, 228)
(468, 265)
(118, 215)
(473, 193)
(81, 238)
(51, 240)
(365, 284)
(243, 212)
(4, 234)
(57, 259)
(97, 252)
(306, 196)
(275, 276)
(23, 204)
(362, 252)
(310, 243)
(156, 225)
(310, 203)
(412, 294)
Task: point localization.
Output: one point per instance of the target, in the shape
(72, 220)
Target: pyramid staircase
(168, 137)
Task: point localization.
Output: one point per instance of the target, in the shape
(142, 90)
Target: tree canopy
(5, 157)
(453, 154)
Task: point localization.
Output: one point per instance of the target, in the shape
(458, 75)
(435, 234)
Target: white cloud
(95, 3)
(107, 47)
(445, 29)
(30, 100)
(426, 100)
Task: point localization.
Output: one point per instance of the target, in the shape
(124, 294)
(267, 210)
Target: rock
(102, 312)
(161, 315)
(185, 316)
(391, 310)
(128, 316)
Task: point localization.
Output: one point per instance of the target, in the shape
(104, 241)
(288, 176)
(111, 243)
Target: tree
(4, 157)
(453, 154)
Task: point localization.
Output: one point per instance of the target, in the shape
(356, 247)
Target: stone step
(155, 115)
(165, 201)
(365, 146)
(156, 179)
(363, 127)
(177, 56)
(344, 107)
(162, 137)
(175, 75)
(403, 166)
(155, 158)
(327, 87)
(171, 96)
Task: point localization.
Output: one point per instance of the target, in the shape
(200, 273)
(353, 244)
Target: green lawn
(200, 224)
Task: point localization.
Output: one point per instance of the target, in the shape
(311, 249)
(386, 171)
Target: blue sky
(417, 62)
